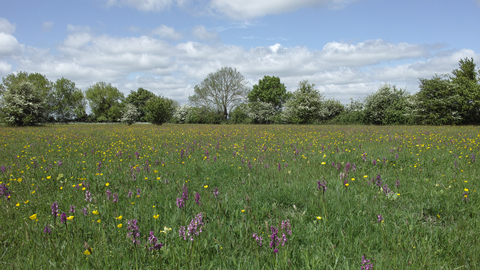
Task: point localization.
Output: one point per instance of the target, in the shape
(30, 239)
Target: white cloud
(143, 5)
(5, 68)
(340, 70)
(164, 31)
(78, 28)
(47, 26)
(247, 9)
(6, 27)
(9, 45)
(201, 33)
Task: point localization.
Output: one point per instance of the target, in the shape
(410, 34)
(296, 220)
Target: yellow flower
(70, 217)
(353, 179)
(346, 185)
(365, 176)
(133, 202)
(107, 184)
(17, 205)
(206, 186)
(26, 201)
(87, 252)
(61, 187)
(466, 190)
(99, 221)
(319, 218)
(48, 177)
(155, 216)
(19, 180)
(323, 163)
(398, 194)
(119, 217)
(119, 225)
(33, 217)
(33, 191)
(95, 212)
(243, 210)
(83, 188)
(166, 229)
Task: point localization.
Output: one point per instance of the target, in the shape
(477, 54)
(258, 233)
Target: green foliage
(387, 106)
(438, 102)
(467, 86)
(239, 114)
(261, 112)
(269, 90)
(203, 116)
(305, 106)
(138, 99)
(220, 91)
(22, 104)
(159, 110)
(68, 102)
(332, 108)
(105, 100)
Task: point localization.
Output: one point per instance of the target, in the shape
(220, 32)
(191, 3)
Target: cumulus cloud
(5, 68)
(47, 26)
(201, 33)
(9, 45)
(164, 31)
(340, 70)
(143, 5)
(247, 9)
(6, 27)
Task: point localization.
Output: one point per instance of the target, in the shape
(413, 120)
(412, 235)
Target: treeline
(223, 97)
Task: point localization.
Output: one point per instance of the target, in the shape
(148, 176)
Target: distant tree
(68, 102)
(269, 90)
(105, 101)
(305, 106)
(467, 87)
(261, 112)
(220, 91)
(130, 114)
(239, 114)
(387, 106)
(438, 102)
(21, 104)
(138, 99)
(159, 110)
(41, 84)
(180, 114)
(332, 108)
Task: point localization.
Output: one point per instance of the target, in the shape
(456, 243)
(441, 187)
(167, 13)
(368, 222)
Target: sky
(347, 48)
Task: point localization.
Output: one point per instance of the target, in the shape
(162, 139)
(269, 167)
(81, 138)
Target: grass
(426, 220)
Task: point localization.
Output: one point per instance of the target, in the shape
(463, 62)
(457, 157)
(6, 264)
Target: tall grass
(416, 207)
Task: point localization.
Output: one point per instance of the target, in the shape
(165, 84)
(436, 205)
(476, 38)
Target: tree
(305, 105)
(68, 101)
(41, 84)
(105, 101)
(181, 113)
(261, 112)
(130, 114)
(220, 91)
(332, 108)
(159, 110)
(438, 102)
(138, 99)
(387, 106)
(22, 104)
(269, 90)
(468, 88)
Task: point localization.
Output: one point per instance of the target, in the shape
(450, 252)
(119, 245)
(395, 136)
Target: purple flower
(59, 163)
(258, 238)
(234, 153)
(215, 158)
(63, 218)
(88, 196)
(195, 227)
(472, 156)
(153, 241)
(47, 230)
(286, 226)
(4, 191)
(185, 193)
(181, 232)
(129, 193)
(72, 209)
(115, 197)
(137, 154)
(54, 209)
(379, 218)
(197, 198)
(322, 186)
(133, 231)
(108, 194)
(180, 203)
(275, 240)
(4, 169)
(138, 192)
(279, 167)
(85, 211)
(374, 162)
(366, 265)
(215, 192)
(397, 183)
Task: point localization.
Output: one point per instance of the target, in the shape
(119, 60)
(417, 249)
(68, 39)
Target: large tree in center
(220, 91)
(105, 101)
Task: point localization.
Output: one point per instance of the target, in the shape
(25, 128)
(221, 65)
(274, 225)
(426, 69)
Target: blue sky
(348, 48)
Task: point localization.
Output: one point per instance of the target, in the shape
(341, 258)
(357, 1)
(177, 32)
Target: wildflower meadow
(239, 197)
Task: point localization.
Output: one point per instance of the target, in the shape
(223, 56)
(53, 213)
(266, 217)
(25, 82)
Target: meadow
(239, 197)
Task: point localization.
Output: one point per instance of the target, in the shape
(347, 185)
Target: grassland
(402, 197)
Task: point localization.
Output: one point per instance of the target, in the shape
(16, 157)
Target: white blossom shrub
(261, 112)
(305, 105)
(181, 113)
(130, 114)
(22, 104)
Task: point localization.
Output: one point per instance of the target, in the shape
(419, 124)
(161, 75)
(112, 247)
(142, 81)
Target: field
(244, 197)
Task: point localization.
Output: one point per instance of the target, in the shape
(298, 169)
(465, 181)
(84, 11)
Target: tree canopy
(105, 101)
(269, 90)
(138, 99)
